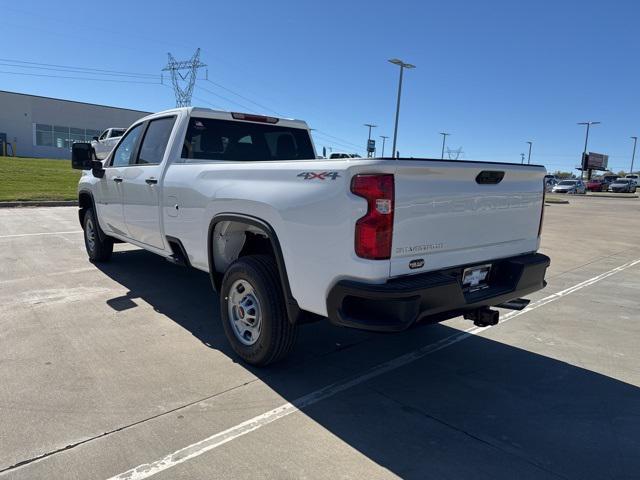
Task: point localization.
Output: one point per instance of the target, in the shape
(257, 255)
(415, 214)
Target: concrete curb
(611, 195)
(555, 201)
(43, 203)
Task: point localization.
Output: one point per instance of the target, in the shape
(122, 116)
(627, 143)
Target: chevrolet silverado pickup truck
(370, 243)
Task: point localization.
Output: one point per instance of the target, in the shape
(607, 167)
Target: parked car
(570, 186)
(334, 155)
(633, 176)
(549, 183)
(286, 238)
(597, 185)
(103, 144)
(609, 179)
(623, 185)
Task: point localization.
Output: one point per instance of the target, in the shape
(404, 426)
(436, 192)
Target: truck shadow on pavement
(478, 409)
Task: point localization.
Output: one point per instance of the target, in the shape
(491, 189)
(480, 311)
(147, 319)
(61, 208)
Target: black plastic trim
(101, 233)
(181, 253)
(400, 302)
(295, 314)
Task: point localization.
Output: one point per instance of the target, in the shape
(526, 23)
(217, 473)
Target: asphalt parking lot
(122, 370)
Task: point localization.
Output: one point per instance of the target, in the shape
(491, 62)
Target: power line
(248, 109)
(87, 69)
(79, 78)
(243, 97)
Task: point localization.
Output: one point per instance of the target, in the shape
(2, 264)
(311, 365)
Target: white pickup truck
(368, 243)
(103, 144)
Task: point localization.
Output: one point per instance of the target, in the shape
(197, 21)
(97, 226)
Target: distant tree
(622, 173)
(563, 175)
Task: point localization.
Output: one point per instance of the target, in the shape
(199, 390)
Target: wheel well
(234, 239)
(84, 202)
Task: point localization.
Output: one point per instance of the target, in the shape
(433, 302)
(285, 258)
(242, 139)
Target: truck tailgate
(450, 213)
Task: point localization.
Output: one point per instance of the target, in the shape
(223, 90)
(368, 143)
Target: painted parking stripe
(36, 234)
(214, 441)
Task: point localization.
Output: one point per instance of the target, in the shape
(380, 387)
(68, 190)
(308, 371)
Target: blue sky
(494, 73)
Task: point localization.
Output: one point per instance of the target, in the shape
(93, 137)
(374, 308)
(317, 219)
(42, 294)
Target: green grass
(37, 179)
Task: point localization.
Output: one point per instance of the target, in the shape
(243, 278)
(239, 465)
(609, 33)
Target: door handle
(117, 179)
(151, 181)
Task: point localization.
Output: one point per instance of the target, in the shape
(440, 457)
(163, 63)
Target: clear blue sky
(494, 73)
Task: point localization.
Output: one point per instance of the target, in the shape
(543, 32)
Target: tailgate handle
(490, 177)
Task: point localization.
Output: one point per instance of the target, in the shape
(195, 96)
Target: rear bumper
(400, 302)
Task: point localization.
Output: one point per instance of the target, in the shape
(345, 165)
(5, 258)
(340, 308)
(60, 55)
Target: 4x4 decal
(319, 175)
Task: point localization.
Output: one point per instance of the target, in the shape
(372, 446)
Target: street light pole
(402, 66)
(370, 125)
(522, 158)
(529, 158)
(384, 139)
(633, 156)
(444, 138)
(586, 141)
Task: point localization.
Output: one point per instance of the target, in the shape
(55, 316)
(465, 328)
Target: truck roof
(234, 116)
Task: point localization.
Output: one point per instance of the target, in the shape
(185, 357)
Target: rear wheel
(253, 311)
(99, 250)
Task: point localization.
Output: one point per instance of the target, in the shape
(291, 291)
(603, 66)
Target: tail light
(375, 230)
(250, 117)
(544, 197)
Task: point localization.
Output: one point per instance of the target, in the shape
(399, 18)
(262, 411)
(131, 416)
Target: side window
(155, 141)
(123, 154)
(104, 135)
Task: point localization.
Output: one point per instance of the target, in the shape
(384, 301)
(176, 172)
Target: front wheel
(99, 250)
(253, 311)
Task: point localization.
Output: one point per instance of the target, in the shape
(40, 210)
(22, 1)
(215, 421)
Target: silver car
(570, 186)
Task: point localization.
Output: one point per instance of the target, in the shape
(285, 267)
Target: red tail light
(375, 230)
(250, 117)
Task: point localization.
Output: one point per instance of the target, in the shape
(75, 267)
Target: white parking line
(36, 234)
(196, 449)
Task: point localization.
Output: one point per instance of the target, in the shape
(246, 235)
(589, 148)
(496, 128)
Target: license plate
(475, 278)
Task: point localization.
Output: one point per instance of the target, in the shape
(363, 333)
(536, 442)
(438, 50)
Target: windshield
(567, 182)
(212, 139)
(622, 180)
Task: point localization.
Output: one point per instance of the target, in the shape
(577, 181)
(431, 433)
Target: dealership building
(47, 127)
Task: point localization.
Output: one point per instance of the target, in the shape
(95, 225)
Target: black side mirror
(95, 138)
(82, 156)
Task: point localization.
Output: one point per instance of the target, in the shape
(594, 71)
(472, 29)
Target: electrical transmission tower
(454, 154)
(183, 83)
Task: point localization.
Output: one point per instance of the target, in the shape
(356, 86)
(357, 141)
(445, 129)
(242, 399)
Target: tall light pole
(586, 141)
(444, 139)
(529, 158)
(633, 155)
(384, 139)
(522, 158)
(402, 66)
(370, 125)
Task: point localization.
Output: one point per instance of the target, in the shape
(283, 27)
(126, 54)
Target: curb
(554, 201)
(44, 203)
(612, 195)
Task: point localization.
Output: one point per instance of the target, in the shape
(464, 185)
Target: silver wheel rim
(244, 310)
(90, 234)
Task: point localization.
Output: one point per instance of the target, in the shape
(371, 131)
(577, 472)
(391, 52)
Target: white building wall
(19, 113)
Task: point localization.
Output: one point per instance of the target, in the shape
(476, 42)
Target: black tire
(98, 250)
(276, 335)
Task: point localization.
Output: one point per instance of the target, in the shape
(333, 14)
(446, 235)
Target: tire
(251, 290)
(98, 250)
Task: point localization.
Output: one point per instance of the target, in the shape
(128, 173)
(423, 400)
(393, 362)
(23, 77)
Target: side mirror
(82, 156)
(95, 138)
(97, 169)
